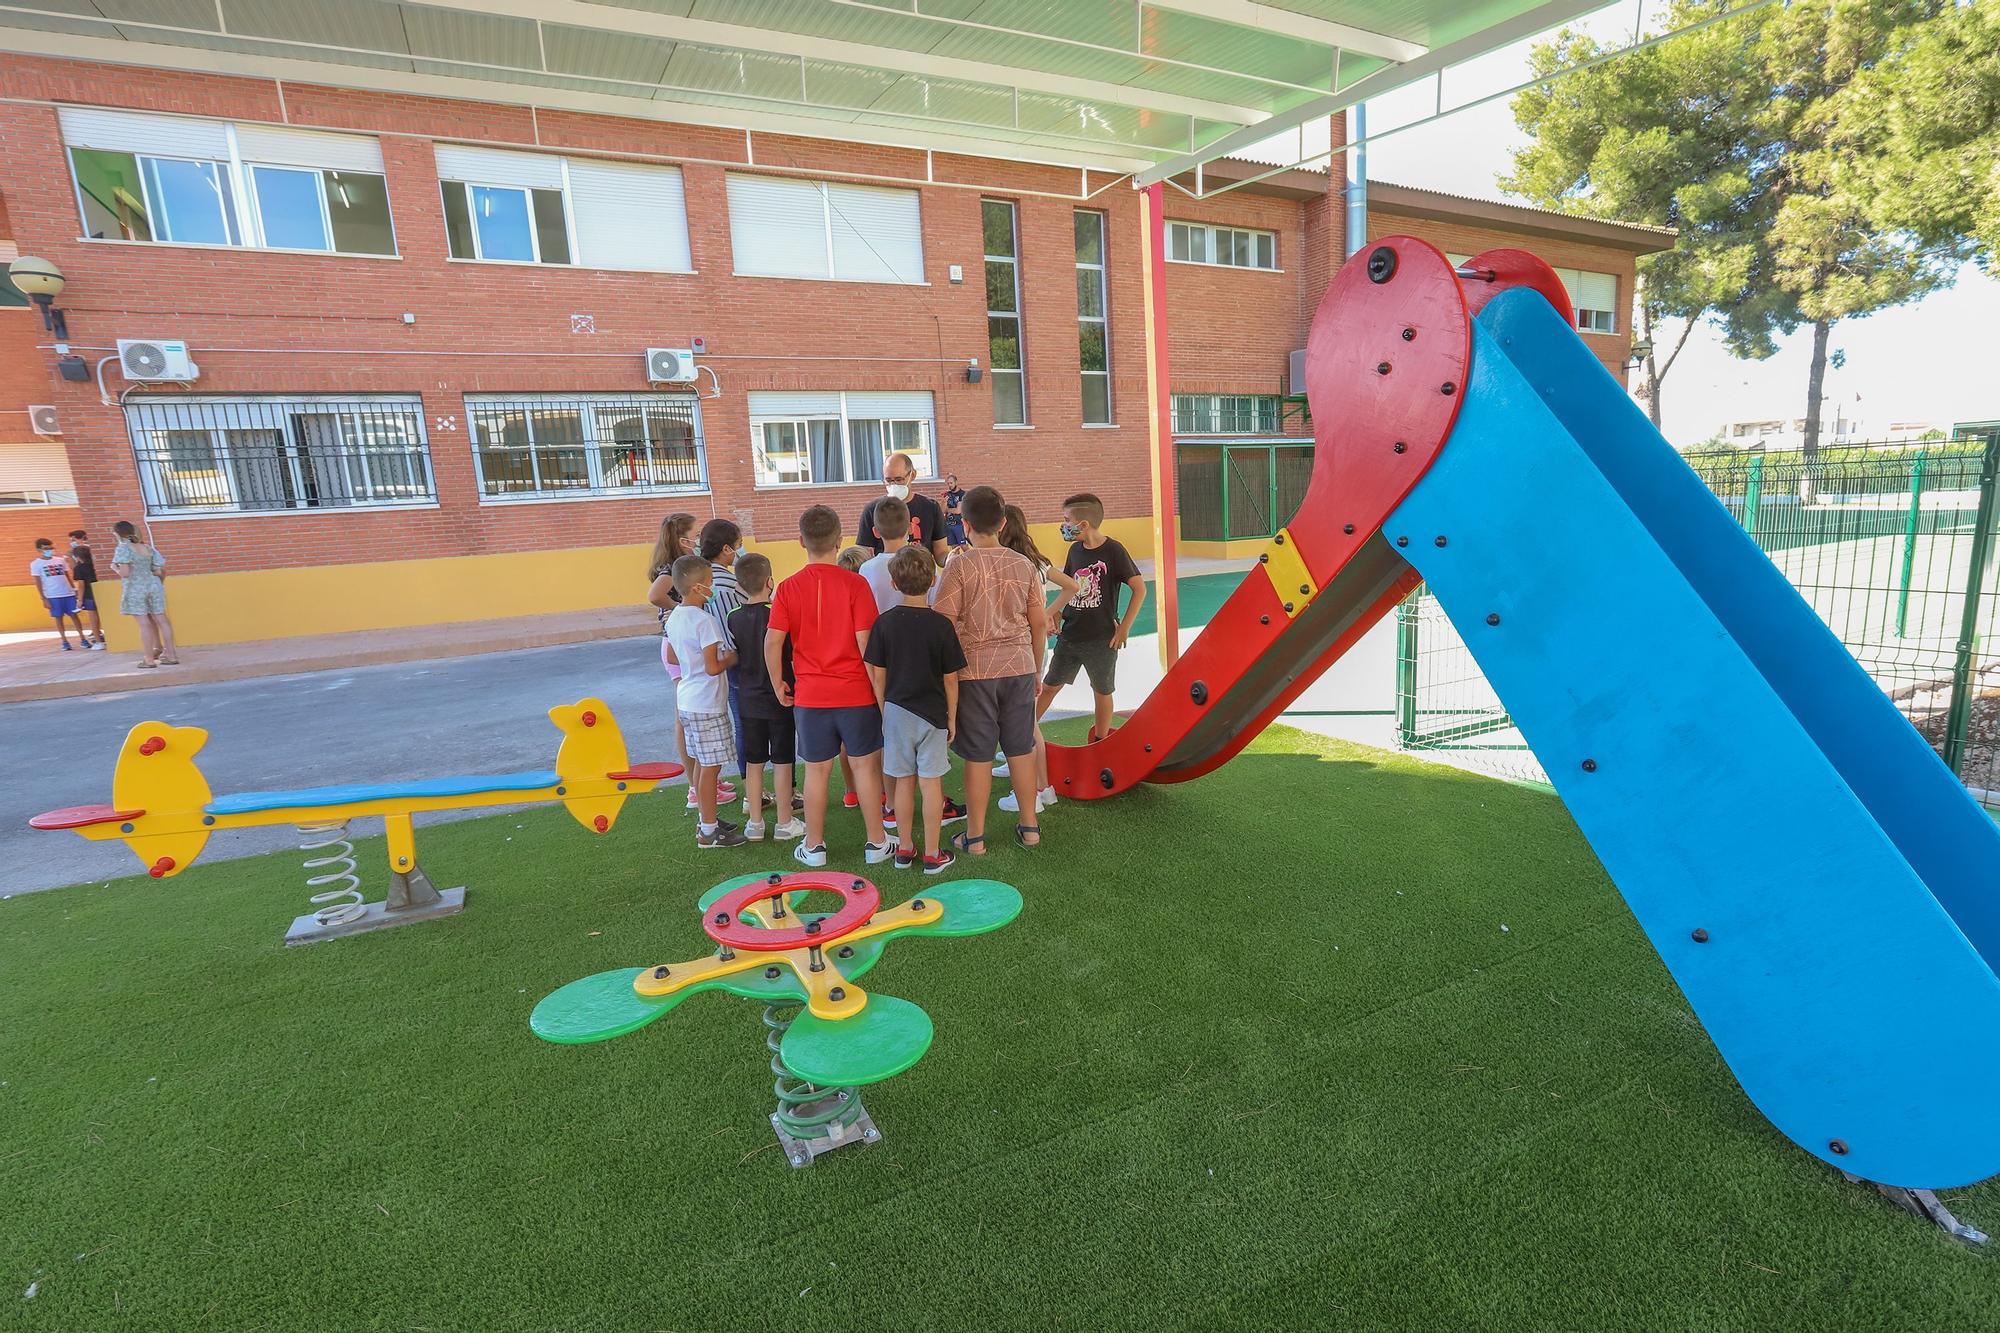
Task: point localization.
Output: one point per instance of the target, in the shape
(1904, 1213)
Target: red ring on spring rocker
(861, 898)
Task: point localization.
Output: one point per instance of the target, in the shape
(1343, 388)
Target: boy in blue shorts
(914, 659)
(52, 578)
(825, 612)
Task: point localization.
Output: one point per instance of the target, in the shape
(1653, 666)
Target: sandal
(965, 843)
(1021, 832)
(171, 661)
(149, 665)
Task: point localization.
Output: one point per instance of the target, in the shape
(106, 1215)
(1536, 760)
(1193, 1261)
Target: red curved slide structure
(1386, 367)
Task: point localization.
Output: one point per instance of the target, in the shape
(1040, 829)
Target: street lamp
(1641, 349)
(41, 282)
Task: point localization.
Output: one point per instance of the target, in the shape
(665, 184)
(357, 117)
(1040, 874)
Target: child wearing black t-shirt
(769, 735)
(1092, 630)
(914, 658)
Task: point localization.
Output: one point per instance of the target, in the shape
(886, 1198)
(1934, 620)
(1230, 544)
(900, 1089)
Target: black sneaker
(953, 812)
(724, 826)
(943, 861)
(905, 860)
(725, 835)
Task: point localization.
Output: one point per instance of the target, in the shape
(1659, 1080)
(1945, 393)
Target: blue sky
(1928, 361)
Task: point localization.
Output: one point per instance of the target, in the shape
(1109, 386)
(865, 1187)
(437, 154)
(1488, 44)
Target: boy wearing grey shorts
(914, 659)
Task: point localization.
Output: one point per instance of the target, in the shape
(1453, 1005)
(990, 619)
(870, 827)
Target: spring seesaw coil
(332, 875)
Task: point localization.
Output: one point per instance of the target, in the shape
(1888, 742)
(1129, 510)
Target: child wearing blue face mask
(1092, 630)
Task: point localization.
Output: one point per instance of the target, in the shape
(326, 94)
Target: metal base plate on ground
(1926, 1205)
(801, 1152)
(377, 916)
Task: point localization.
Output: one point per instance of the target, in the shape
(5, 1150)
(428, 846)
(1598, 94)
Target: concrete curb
(202, 673)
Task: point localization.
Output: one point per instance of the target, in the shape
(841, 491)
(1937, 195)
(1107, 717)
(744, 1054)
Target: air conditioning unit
(156, 359)
(669, 365)
(1295, 373)
(42, 418)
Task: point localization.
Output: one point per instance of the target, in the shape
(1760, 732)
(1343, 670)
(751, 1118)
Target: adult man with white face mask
(899, 474)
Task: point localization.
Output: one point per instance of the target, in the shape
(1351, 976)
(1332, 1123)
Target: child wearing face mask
(1092, 630)
(719, 543)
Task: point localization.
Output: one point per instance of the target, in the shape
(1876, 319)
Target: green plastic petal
(971, 907)
(597, 1008)
(880, 1042)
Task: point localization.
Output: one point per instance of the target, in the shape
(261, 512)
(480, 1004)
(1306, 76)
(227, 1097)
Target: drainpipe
(1357, 178)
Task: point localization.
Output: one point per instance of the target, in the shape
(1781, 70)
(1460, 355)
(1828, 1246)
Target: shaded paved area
(33, 667)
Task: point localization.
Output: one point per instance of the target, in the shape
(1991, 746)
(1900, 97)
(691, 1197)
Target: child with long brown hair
(678, 537)
(1015, 537)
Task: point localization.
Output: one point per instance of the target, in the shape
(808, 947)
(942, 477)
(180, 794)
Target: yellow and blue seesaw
(162, 808)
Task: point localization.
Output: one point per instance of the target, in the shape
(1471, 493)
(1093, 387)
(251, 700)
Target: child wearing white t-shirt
(702, 696)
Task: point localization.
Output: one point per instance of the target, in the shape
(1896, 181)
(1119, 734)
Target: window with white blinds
(542, 208)
(1594, 295)
(783, 227)
(142, 177)
(831, 439)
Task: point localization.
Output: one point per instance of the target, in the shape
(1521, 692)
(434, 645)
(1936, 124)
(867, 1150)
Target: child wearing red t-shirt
(826, 612)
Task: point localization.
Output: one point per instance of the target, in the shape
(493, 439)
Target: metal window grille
(254, 454)
(1891, 544)
(540, 446)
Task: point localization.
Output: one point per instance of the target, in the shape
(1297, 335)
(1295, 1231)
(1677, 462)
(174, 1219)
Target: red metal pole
(1159, 420)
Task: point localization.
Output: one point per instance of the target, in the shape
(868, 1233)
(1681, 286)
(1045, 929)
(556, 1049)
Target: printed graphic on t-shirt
(1090, 586)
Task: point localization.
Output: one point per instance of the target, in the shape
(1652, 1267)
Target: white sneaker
(95, 646)
(810, 856)
(1011, 803)
(753, 829)
(873, 853)
(1045, 798)
(1000, 769)
(791, 828)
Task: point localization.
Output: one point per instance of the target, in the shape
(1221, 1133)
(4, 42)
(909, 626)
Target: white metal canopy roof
(1146, 86)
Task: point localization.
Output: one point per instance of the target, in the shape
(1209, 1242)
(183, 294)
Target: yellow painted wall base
(21, 609)
(395, 594)
(1240, 549)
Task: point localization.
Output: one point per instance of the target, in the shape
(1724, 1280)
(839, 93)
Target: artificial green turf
(1257, 1053)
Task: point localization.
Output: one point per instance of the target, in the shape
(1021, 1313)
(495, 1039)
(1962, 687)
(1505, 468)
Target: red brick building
(421, 328)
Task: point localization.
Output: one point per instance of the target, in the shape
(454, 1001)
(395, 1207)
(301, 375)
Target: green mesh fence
(1892, 544)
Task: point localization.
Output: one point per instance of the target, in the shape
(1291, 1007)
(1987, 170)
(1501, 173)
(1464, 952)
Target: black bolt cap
(837, 993)
(1305, 589)
(722, 918)
(916, 904)
(1439, 540)
(1590, 765)
(1448, 389)
(1402, 541)
(771, 973)
(1262, 620)
(1264, 559)
(1381, 264)
(1492, 617)
(1199, 690)
(1382, 368)
(1838, 1147)
(775, 878)
(660, 974)
(857, 886)
(1409, 335)
(1348, 529)
(812, 927)
(1105, 780)
(846, 951)
(1278, 540)
(1700, 935)
(1402, 447)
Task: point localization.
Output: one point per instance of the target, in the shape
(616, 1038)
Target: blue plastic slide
(1820, 885)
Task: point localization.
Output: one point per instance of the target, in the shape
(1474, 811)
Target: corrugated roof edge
(1443, 206)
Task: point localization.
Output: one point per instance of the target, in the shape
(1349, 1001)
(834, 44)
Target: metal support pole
(1406, 669)
(1227, 529)
(1753, 492)
(1357, 178)
(1910, 543)
(1159, 389)
(1968, 626)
